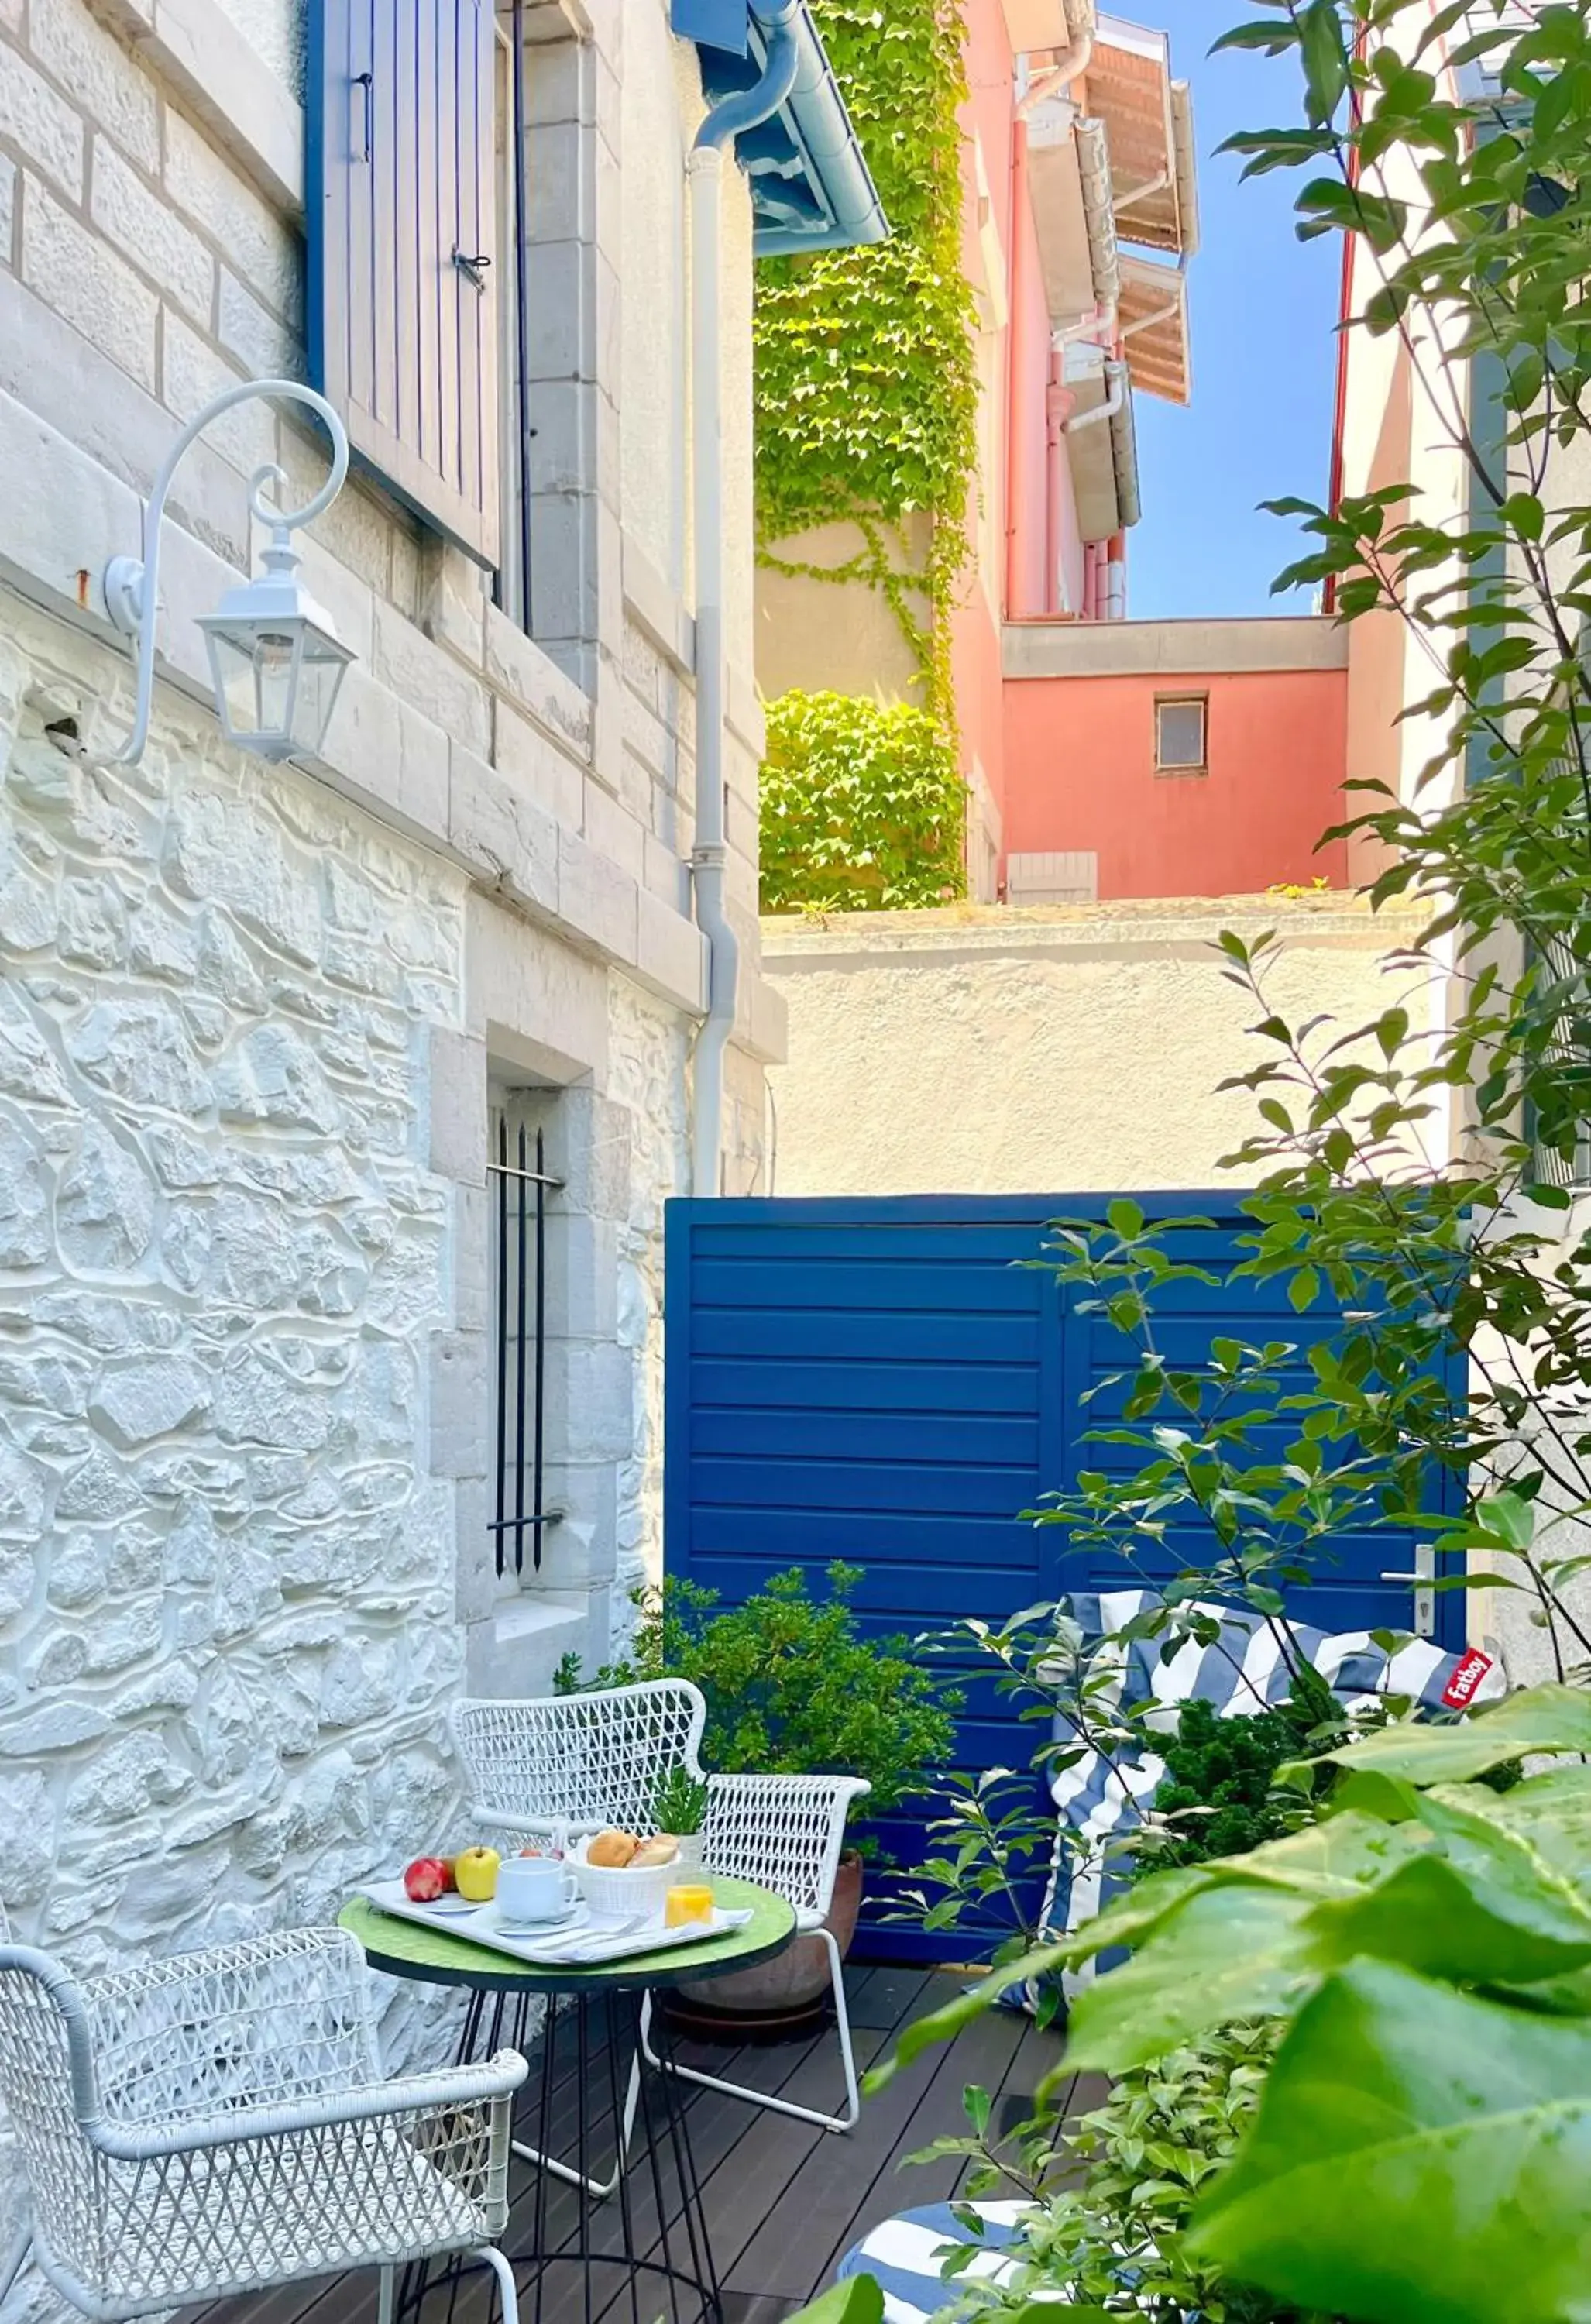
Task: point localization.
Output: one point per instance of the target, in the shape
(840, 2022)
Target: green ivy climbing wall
(863, 805)
(866, 410)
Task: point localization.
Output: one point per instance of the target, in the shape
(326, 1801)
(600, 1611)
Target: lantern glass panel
(276, 682)
(320, 673)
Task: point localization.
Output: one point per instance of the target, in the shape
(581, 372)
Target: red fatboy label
(1472, 1668)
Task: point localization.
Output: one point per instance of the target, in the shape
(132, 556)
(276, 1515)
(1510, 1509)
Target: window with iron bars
(521, 1186)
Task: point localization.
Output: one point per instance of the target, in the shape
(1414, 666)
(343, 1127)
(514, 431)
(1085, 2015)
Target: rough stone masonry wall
(226, 1580)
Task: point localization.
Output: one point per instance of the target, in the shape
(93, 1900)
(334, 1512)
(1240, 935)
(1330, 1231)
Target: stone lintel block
(597, 899)
(522, 669)
(513, 844)
(609, 826)
(672, 953)
(432, 680)
(544, 772)
(453, 600)
(460, 1402)
(458, 1106)
(665, 876)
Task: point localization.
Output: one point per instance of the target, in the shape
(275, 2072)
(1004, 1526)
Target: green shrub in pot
(791, 1687)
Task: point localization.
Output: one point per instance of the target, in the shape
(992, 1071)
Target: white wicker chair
(583, 1760)
(217, 2124)
(784, 1832)
(587, 1760)
(576, 1763)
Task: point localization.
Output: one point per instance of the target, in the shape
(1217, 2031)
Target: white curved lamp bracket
(132, 588)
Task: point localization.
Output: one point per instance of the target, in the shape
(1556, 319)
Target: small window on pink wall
(1181, 733)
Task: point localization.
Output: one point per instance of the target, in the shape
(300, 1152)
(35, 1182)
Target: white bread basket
(615, 1888)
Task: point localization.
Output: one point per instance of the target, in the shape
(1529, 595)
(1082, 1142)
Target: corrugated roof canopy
(1148, 119)
(1152, 314)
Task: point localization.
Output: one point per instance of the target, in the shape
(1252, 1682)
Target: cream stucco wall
(842, 636)
(1073, 1050)
(657, 104)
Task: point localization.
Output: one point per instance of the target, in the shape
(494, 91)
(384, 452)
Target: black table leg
(586, 2269)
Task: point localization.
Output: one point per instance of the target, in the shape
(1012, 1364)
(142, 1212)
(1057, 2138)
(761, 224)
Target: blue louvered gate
(882, 1380)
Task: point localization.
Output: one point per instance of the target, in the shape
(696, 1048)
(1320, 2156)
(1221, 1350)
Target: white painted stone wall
(227, 1580)
(243, 1372)
(250, 1020)
(226, 1576)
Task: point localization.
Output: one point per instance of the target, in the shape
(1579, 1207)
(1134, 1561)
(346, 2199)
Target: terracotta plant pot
(797, 1979)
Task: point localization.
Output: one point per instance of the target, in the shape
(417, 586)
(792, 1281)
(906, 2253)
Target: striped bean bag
(1242, 1673)
(906, 2255)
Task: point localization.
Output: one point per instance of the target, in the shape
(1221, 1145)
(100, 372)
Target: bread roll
(662, 1849)
(611, 1849)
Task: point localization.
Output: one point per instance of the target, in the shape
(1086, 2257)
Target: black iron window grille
(522, 1188)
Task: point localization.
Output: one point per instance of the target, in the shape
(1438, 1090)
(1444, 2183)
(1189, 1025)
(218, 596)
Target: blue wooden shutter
(399, 190)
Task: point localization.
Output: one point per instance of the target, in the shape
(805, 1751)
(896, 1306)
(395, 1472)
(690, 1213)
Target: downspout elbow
(1078, 420)
(1056, 78)
(747, 107)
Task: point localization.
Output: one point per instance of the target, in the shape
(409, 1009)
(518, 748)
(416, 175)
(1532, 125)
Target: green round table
(607, 2091)
(405, 1948)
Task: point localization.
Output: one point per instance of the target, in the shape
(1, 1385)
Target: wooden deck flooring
(784, 2201)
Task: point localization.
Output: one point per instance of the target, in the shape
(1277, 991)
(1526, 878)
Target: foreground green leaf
(1496, 1921)
(1124, 1924)
(1232, 1955)
(1537, 1718)
(856, 2300)
(1421, 2157)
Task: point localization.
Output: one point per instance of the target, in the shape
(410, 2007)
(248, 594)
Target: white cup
(532, 1889)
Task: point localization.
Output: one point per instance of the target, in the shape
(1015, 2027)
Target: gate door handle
(1423, 1578)
(473, 270)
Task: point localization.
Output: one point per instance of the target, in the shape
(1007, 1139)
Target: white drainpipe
(704, 171)
(1115, 374)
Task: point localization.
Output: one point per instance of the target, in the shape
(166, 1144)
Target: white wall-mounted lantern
(276, 661)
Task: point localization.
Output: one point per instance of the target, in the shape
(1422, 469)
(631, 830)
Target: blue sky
(1263, 311)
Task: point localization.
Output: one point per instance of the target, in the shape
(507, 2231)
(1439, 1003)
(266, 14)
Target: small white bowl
(615, 1888)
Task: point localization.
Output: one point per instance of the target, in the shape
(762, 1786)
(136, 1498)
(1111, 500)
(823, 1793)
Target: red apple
(426, 1879)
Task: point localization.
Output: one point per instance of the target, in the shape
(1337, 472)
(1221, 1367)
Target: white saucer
(449, 1906)
(545, 1926)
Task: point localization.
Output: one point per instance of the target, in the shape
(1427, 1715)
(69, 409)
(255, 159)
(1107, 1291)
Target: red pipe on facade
(1021, 354)
(1060, 404)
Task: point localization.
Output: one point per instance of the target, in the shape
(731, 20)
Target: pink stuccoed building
(1106, 758)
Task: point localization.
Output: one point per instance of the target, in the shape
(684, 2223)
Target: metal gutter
(1093, 168)
(1185, 167)
(817, 115)
(1124, 450)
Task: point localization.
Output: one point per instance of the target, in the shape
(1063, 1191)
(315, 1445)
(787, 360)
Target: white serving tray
(585, 1940)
